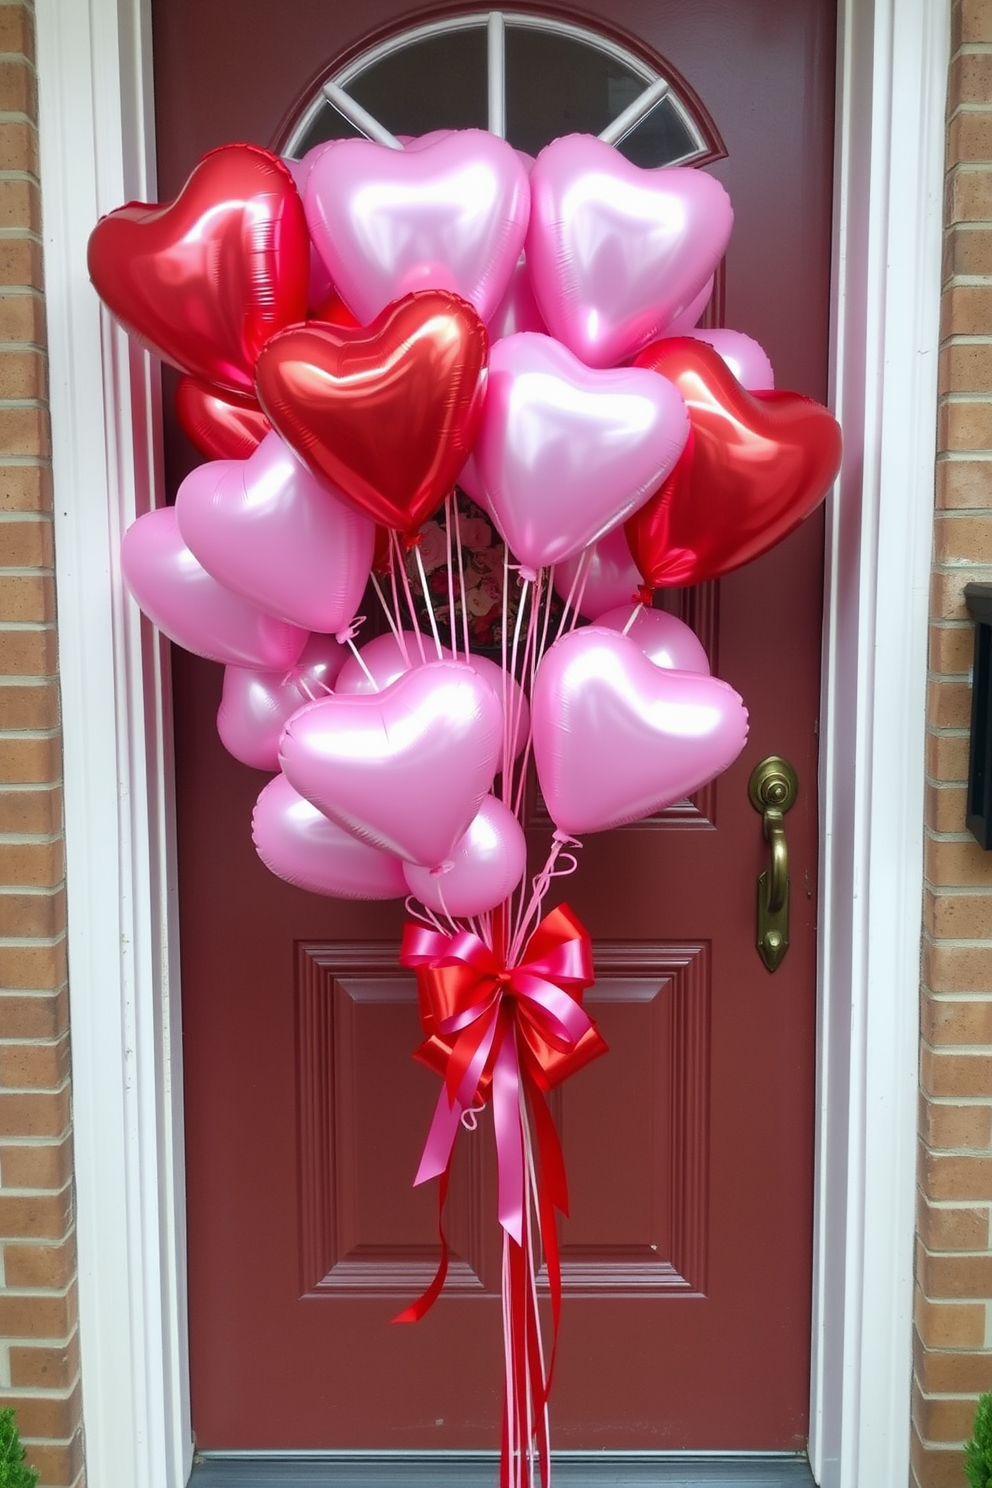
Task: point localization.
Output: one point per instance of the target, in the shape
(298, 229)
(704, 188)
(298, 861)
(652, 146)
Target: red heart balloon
(755, 466)
(221, 425)
(205, 280)
(386, 413)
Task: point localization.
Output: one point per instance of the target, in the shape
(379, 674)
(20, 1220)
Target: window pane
(660, 138)
(439, 82)
(558, 85)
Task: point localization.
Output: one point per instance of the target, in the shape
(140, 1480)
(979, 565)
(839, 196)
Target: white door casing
(95, 78)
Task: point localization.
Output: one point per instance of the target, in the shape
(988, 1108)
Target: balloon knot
(411, 541)
(528, 575)
(442, 868)
(644, 596)
(350, 631)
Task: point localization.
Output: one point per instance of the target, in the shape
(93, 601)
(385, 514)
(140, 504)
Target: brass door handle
(772, 789)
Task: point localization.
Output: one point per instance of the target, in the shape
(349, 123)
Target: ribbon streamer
(509, 1033)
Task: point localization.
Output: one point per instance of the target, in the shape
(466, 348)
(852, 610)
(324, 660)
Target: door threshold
(481, 1470)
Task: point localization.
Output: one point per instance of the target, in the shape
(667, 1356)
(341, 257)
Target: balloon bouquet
(360, 331)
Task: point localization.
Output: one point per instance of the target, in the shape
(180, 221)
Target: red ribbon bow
(484, 1022)
(514, 1032)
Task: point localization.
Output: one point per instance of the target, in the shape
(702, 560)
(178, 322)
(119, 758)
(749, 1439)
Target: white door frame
(97, 152)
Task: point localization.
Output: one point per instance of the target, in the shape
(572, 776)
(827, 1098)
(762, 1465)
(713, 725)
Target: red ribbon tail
(424, 1303)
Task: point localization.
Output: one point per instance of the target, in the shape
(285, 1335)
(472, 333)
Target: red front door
(687, 1259)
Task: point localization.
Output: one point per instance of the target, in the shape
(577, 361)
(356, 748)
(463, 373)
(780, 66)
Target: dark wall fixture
(978, 598)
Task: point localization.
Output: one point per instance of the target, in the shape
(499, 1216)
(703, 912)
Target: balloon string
(401, 629)
(408, 592)
(509, 734)
(504, 791)
(581, 569)
(448, 538)
(397, 632)
(633, 616)
(540, 887)
(461, 571)
(418, 911)
(358, 657)
(428, 601)
(542, 592)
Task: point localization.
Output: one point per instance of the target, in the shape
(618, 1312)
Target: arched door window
(526, 77)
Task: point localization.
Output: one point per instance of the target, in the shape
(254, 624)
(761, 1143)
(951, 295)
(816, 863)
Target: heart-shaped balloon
(269, 530)
(685, 324)
(759, 463)
(298, 843)
(609, 575)
(256, 706)
(617, 738)
(566, 452)
(450, 215)
(320, 287)
(385, 413)
(665, 640)
(404, 769)
(219, 424)
(517, 310)
(383, 660)
(192, 609)
(745, 357)
(485, 866)
(205, 280)
(616, 252)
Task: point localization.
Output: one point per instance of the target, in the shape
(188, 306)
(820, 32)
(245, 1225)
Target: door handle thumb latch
(772, 790)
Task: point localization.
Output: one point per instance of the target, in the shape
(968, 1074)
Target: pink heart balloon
(565, 452)
(451, 215)
(268, 529)
(517, 310)
(617, 738)
(256, 706)
(617, 252)
(404, 769)
(609, 578)
(320, 280)
(665, 640)
(192, 608)
(384, 660)
(747, 360)
(484, 869)
(684, 324)
(297, 842)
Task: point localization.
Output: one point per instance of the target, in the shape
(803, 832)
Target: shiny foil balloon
(298, 843)
(617, 738)
(268, 529)
(664, 639)
(205, 280)
(219, 424)
(319, 286)
(759, 463)
(685, 324)
(484, 869)
(747, 360)
(404, 769)
(256, 706)
(448, 215)
(615, 252)
(388, 413)
(192, 609)
(566, 452)
(609, 575)
(384, 661)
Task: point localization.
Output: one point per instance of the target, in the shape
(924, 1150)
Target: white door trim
(98, 151)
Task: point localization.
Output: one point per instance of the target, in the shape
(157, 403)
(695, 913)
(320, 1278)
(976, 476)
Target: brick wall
(953, 1342)
(39, 1364)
